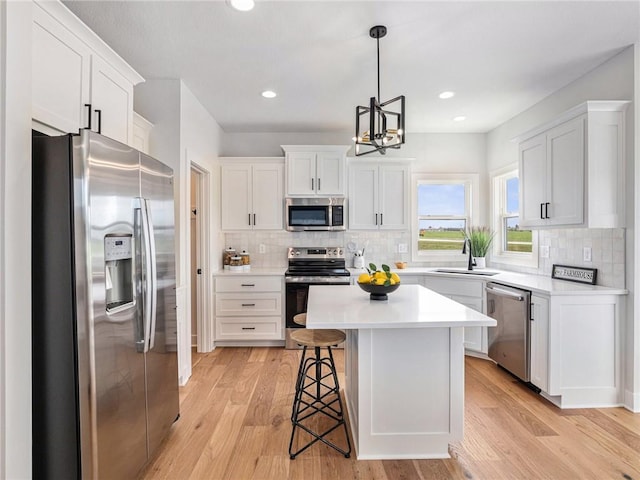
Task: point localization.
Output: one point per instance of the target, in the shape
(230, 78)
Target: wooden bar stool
(300, 319)
(315, 394)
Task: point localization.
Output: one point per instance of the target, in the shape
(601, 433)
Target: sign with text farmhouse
(575, 274)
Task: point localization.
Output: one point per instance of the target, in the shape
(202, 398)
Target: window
(513, 244)
(443, 211)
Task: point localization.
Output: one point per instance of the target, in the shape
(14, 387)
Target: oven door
(296, 297)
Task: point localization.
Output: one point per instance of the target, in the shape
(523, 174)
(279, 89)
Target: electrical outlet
(544, 251)
(586, 254)
(262, 248)
(402, 248)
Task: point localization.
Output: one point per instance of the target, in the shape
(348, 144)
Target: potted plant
(479, 239)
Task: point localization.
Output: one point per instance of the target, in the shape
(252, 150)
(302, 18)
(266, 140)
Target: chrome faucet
(464, 250)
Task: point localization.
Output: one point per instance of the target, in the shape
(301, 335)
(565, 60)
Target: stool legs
(315, 396)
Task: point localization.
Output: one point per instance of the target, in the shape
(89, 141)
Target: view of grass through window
(441, 216)
(515, 238)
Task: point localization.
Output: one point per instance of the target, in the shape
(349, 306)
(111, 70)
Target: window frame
(471, 182)
(499, 215)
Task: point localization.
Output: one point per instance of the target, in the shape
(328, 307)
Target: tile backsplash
(565, 248)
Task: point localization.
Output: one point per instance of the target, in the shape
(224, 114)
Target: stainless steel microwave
(315, 214)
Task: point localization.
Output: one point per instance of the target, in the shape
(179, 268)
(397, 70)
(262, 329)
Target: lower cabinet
(576, 346)
(539, 342)
(470, 293)
(248, 309)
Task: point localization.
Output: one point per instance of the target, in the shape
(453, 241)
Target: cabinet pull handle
(248, 304)
(312, 184)
(249, 215)
(99, 112)
(88, 105)
(376, 219)
(254, 219)
(531, 312)
(318, 184)
(248, 328)
(542, 211)
(381, 222)
(247, 284)
(546, 210)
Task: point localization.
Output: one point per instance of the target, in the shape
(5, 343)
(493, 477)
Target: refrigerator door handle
(148, 273)
(152, 281)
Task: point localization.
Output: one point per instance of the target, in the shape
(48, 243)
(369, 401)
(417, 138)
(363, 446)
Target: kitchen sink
(466, 272)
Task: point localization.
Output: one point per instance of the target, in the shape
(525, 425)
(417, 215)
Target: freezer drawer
(509, 339)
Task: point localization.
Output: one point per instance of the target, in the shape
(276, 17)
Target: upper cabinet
(572, 169)
(78, 81)
(378, 195)
(315, 170)
(251, 194)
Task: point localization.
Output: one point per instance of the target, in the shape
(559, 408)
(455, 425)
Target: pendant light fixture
(383, 127)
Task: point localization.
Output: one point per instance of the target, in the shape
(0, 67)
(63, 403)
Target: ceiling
(499, 57)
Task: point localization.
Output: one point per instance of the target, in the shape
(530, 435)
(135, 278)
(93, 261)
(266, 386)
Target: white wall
(15, 243)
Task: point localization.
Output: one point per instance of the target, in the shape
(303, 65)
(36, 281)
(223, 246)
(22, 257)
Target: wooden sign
(575, 274)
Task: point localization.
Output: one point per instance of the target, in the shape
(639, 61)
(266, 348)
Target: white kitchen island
(404, 367)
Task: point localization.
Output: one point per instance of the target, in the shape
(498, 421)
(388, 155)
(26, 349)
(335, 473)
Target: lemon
(380, 276)
(392, 281)
(379, 281)
(364, 278)
(395, 278)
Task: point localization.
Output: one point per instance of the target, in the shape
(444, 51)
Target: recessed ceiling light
(268, 94)
(444, 95)
(242, 5)
(459, 118)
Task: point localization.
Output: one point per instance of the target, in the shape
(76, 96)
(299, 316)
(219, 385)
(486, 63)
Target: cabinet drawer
(249, 329)
(455, 286)
(230, 304)
(249, 284)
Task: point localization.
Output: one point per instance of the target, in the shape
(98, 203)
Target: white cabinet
(251, 196)
(572, 169)
(470, 293)
(314, 170)
(77, 79)
(378, 195)
(248, 308)
(539, 342)
(141, 133)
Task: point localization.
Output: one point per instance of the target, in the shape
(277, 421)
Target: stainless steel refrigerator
(105, 375)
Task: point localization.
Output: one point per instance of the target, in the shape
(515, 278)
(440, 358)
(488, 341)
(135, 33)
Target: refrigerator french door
(105, 381)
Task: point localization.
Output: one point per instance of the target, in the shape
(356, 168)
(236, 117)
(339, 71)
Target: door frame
(203, 229)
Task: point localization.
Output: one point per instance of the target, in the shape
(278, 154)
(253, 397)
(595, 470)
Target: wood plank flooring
(235, 424)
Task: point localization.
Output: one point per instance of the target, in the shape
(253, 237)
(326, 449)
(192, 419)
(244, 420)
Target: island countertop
(411, 306)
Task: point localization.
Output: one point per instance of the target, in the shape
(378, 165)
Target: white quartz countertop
(253, 271)
(535, 283)
(411, 306)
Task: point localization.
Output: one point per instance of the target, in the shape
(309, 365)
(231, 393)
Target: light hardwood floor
(235, 424)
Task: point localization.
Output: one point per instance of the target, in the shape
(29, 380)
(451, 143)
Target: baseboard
(632, 401)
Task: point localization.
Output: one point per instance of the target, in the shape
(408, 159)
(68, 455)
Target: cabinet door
(473, 336)
(565, 185)
(267, 197)
(235, 199)
(363, 195)
(112, 94)
(533, 180)
(329, 173)
(301, 173)
(393, 202)
(539, 341)
(61, 70)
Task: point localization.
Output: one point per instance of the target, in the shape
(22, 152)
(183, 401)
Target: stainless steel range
(310, 266)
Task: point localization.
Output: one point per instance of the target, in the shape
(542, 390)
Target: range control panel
(315, 252)
(117, 247)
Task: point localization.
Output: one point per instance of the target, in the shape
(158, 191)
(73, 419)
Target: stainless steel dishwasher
(509, 339)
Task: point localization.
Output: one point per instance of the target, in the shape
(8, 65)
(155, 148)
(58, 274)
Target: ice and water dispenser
(118, 271)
